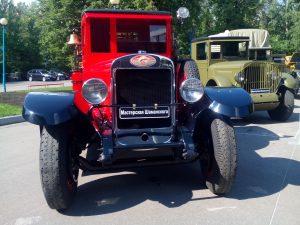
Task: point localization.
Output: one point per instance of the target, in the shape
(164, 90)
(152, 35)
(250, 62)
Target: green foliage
(282, 21)
(22, 51)
(37, 34)
(9, 110)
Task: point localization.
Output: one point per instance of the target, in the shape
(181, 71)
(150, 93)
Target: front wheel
(285, 108)
(218, 156)
(58, 168)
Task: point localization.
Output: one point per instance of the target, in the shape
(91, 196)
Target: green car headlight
(240, 77)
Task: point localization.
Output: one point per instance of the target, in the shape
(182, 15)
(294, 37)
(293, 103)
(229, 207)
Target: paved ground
(266, 190)
(25, 85)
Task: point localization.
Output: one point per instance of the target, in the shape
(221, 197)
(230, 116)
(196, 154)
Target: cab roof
(220, 38)
(119, 11)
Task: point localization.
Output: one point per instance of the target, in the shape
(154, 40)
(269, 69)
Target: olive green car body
(263, 81)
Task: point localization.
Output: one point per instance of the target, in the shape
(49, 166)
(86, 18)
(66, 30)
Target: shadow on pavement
(171, 186)
(260, 176)
(262, 117)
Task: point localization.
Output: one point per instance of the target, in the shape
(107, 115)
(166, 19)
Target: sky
(26, 1)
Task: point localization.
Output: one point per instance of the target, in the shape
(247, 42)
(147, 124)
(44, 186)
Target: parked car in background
(40, 74)
(295, 72)
(224, 61)
(293, 67)
(60, 75)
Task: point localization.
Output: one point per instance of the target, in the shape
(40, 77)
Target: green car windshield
(295, 57)
(229, 50)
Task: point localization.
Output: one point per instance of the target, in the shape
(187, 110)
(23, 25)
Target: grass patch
(9, 110)
(11, 102)
(48, 89)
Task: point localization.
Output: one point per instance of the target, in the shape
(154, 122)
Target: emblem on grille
(142, 61)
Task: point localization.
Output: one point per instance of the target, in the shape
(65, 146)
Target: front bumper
(117, 155)
(265, 101)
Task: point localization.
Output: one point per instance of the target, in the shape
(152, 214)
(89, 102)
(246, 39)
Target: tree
(22, 52)
(37, 33)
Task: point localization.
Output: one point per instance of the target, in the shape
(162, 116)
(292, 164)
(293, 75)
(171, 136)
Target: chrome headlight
(94, 91)
(273, 75)
(240, 77)
(191, 90)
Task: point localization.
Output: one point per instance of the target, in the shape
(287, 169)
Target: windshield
(295, 57)
(132, 35)
(141, 35)
(259, 54)
(229, 49)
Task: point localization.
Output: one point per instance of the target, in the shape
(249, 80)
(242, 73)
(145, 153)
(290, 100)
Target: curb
(11, 119)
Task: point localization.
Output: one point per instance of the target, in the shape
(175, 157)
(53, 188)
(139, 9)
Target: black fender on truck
(225, 101)
(228, 102)
(49, 108)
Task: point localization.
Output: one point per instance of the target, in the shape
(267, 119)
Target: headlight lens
(240, 77)
(191, 90)
(273, 75)
(94, 91)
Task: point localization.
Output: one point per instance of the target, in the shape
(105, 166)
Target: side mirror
(182, 13)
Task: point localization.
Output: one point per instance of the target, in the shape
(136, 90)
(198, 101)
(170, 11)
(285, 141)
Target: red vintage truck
(135, 103)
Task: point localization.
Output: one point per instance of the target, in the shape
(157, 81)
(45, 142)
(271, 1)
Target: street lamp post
(3, 22)
(115, 3)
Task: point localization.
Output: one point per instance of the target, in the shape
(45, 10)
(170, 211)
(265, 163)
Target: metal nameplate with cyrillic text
(260, 91)
(144, 112)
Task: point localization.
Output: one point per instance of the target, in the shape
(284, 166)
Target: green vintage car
(224, 61)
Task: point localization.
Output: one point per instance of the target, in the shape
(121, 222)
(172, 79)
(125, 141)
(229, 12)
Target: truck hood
(103, 68)
(229, 65)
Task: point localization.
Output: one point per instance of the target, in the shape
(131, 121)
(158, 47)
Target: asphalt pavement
(26, 85)
(266, 190)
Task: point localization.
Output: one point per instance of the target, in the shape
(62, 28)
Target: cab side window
(100, 35)
(201, 53)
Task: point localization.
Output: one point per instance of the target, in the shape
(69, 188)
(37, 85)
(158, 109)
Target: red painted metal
(98, 64)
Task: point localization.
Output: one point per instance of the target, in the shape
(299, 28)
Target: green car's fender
(220, 81)
(289, 81)
(223, 73)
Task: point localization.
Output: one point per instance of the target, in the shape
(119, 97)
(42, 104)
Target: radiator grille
(143, 87)
(259, 75)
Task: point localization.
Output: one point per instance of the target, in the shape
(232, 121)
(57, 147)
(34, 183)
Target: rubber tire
(44, 79)
(57, 78)
(30, 79)
(58, 184)
(220, 161)
(285, 108)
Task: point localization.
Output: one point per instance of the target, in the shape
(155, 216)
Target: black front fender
(45, 108)
(231, 102)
